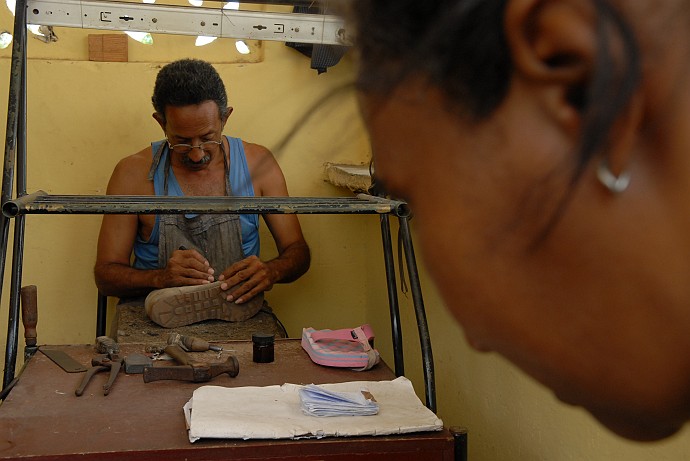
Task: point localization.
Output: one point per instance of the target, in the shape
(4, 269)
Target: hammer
(189, 370)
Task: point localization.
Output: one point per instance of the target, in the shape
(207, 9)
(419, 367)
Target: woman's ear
(552, 40)
(553, 45)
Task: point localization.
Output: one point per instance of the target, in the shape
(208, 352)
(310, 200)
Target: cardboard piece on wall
(108, 47)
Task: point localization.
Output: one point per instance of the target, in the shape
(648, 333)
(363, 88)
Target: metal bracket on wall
(166, 19)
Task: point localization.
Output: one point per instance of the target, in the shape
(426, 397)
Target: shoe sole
(196, 304)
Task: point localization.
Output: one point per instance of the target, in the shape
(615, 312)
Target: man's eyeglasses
(183, 149)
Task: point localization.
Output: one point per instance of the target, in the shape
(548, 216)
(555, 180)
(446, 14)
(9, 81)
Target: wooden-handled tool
(29, 300)
(27, 296)
(196, 372)
(179, 355)
(192, 344)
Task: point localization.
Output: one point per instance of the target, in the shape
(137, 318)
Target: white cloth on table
(274, 412)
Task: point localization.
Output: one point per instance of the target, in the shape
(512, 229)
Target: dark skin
(598, 309)
(199, 174)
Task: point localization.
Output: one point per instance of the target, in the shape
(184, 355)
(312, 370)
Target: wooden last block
(108, 47)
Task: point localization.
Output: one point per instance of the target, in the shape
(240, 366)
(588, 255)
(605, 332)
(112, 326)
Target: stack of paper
(317, 401)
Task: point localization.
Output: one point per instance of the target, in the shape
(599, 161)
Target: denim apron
(218, 237)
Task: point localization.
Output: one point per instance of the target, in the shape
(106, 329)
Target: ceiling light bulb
(148, 1)
(196, 2)
(202, 40)
(11, 5)
(242, 47)
(35, 29)
(228, 6)
(141, 37)
(5, 39)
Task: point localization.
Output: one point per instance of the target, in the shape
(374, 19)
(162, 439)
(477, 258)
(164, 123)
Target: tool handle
(29, 299)
(191, 343)
(87, 377)
(177, 353)
(231, 366)
(114, 370)
(195, 344)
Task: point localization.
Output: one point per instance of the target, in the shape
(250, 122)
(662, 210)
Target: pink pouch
(346, 348)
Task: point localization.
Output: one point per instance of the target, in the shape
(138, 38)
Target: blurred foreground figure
(544, 148)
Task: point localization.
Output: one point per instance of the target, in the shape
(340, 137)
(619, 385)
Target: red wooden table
(42, 419)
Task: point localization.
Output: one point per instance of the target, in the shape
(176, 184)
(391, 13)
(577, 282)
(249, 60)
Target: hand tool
(102, 362)
(29, 301)
(27, 296)
(108, 359)
(192, 344)
(107, 345)
(196, 372)
(132, 364)
(63, 360)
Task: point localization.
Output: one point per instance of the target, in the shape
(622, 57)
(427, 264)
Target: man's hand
(255, 276)
(186, 267)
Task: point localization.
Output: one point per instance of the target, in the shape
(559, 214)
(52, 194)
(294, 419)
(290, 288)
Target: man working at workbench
(212, 258)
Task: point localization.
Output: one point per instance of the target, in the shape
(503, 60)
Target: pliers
(101, 362)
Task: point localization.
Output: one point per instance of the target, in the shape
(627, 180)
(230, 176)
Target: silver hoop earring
(615, 184)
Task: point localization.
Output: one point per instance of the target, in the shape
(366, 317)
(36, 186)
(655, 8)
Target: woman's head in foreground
(512, 128)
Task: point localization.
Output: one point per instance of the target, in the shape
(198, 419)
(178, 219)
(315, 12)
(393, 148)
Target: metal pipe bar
(187, 20)
(283, 2)
(19, 230)
(396, 328)
(16, 71)
(101, 315)
(460, 442)
(21, 127)
(15, 106)
(12, 346)
(424, 337)
(42, 203)
(15, 83)
(254, 2)
(13, 317)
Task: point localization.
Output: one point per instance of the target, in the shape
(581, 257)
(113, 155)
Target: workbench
(42, 419)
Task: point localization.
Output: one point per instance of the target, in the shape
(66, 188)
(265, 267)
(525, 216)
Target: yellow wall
(84, 116)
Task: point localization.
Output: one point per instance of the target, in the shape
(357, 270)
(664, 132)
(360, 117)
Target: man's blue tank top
(146, 252)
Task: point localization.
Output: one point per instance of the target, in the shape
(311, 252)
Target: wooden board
(108, 47)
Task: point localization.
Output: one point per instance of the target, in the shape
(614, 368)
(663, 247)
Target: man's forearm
(291, 264)
(114, 279)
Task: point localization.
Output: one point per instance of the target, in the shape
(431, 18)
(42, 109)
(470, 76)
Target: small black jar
(263, 347)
